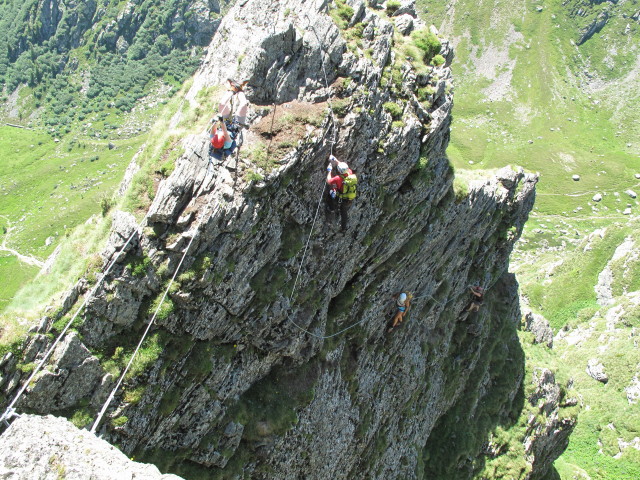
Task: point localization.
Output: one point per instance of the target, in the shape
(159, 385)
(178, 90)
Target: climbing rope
(144, 336)
(155, 313)
(164, 296)
(332, 143)
(10, 411)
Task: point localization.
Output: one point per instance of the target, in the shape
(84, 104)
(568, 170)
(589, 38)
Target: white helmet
(342, 167)
(403, 297)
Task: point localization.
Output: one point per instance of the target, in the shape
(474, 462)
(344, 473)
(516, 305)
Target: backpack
(349, 187)
(232, 129)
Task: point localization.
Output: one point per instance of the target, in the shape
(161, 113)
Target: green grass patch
(147, 355)
(570, 289)
(81, 418)
(341, 13)
(393, 109)
(427, 42)
(14, 274)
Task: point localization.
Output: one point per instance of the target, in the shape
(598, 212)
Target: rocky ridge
(249, 377)
(36, 447)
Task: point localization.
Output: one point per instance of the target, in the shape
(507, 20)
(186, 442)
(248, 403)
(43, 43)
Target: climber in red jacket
(342, 189)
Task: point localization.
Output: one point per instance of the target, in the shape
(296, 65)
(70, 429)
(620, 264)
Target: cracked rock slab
(51, 447)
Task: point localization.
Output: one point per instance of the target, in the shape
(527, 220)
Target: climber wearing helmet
(403, 302)
(220, 138)
(342, 189)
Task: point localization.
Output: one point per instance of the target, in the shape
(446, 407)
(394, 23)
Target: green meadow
(47, 189)
(522, 97)
(516, 103)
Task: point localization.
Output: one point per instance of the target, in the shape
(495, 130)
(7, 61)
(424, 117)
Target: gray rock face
(546, 442)
(595, 370)
(273, 345)
(604, 289)
(594, 27)
(539, 326)
(50, 447)
(404, 24)
(280, 55)
(74, 377)
(407, 7)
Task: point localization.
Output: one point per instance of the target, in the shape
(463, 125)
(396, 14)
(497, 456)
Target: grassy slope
(28, 293)
(518, 102)
(48, 188)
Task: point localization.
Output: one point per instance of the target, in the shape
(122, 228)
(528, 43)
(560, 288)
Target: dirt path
(23, 258)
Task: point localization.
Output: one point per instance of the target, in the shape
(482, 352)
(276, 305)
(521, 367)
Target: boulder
(539, 326)
(597, 197)
(595, 370)
(631, 193)
(404, 24)
(576, 178)
(51, 447)
(407, 7)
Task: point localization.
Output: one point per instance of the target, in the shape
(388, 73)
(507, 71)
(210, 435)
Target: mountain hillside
(268, 356)
(554, 87)
(82, 83)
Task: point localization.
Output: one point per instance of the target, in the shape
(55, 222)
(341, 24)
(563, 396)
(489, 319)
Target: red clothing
(337, 181)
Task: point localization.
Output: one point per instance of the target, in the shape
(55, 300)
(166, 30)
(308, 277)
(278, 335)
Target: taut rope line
(155, 314)
(10, 411)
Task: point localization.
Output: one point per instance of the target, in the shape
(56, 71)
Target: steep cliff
(270, 358)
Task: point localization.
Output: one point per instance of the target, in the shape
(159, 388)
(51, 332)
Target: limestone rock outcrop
(539, 326)
(595, 369)
(51, 447)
